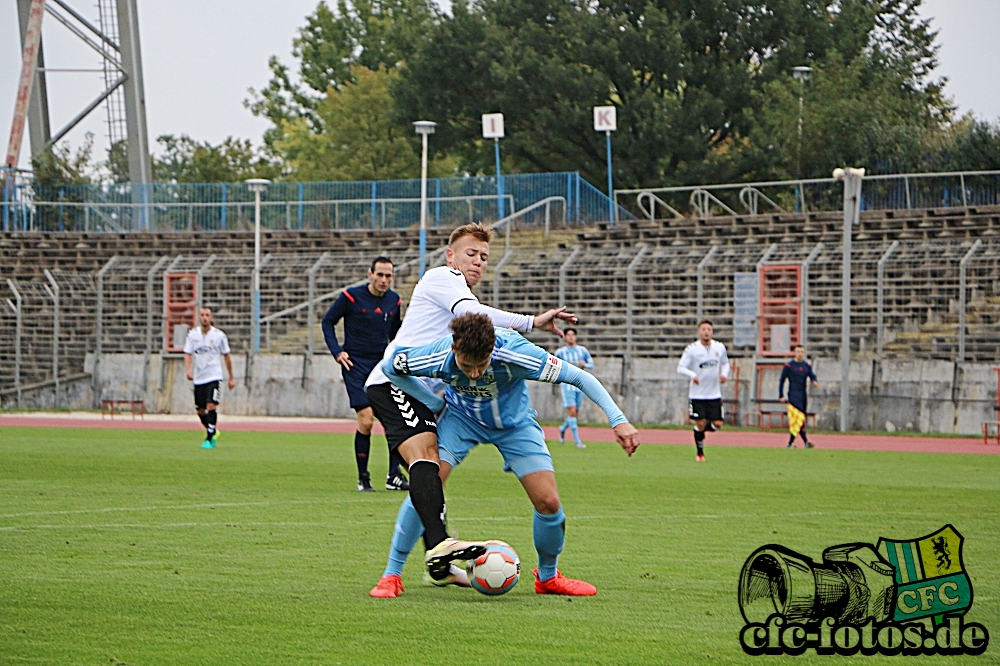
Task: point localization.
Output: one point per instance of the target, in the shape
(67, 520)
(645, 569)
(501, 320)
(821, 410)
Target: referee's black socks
(427, 495)
(362, 447)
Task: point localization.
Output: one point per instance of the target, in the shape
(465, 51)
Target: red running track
(772, 439)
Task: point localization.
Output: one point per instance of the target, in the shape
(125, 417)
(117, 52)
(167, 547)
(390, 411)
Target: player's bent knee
(366, 421)
(212, 406)
(718, 424)
(420, 447)
(547, 505)
(701, 424)
(571, 411)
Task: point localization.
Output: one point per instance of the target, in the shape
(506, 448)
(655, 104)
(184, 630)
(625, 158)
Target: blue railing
(291, 205)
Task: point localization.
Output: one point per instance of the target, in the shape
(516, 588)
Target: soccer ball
(496, 571)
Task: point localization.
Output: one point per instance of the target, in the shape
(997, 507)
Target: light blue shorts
(522, 447)
(572, 396)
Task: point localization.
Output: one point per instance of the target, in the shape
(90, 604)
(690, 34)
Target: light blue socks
(405, 535)
(571, 420)
(550, 535)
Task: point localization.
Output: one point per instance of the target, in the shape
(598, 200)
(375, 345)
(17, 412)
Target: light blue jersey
(575, 355)
(571, 395)
(499, 399)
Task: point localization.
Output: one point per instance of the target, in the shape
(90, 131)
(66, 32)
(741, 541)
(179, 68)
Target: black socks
(699, 440)
(395, 463)
(427, 495)
(362, 447)
(208, 419)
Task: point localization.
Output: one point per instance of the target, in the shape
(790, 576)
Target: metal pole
(963, 268)
(562, 274)
(611, 191)
(150, 276)
(630, 307)
(496, 153)
(804, 331)
(312, 311)
(54, 295)
(496, 277)
(880, 299)
(255, 342)
(701, 279)
(852, 210)
(99, 324)
(423, 205)
(16, 306)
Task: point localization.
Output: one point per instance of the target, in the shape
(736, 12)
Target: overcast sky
(201, 56)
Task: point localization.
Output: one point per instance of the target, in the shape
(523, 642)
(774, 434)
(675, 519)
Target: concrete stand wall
(921, 396)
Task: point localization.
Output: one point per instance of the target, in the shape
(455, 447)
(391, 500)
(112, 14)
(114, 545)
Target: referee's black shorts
(401, 415)
(354, 380)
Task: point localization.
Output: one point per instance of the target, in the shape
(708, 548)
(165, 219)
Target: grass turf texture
(138, 547)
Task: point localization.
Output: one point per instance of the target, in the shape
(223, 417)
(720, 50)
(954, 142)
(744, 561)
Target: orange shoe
(700, 457)
(562, 585)
(389, 587)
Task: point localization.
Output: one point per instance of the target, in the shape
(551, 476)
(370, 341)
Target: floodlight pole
(423, 128)
(496, 155)
(800, 74)
(256, 185)
(852, 212)
(606, 120)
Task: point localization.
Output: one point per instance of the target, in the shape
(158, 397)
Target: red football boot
(562, 585)
(389, 587)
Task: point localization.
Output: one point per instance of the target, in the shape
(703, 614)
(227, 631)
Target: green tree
(60, 165)
(185, 160)
(691, 78)
(360, 140)
(370, 33)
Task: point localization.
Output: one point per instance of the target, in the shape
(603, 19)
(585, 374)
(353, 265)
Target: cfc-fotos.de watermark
(896, 597)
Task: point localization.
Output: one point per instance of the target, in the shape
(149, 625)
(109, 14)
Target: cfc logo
(400, 364)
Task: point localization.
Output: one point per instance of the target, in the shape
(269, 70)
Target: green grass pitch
(137, 547)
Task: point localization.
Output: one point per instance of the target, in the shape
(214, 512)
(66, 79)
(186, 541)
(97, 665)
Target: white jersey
(206, 350)
(707, 364)
(441, 295)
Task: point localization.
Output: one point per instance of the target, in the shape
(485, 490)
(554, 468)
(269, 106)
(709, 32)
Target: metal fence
(911, 299)
(960, 189)
(333, 205)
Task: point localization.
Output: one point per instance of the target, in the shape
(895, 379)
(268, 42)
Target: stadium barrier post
(629, 311)
(16, 307)
(701, 279)
(311, 318)
(99, 329)
(53, 292)
(880, 298)
(562, 274)
(150, 277)
(496, 275)
(962, 286)
(852, 214)
(257, 186)
(804, 326)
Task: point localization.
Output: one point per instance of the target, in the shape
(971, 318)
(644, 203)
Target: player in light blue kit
(487, 401)
(572, 397)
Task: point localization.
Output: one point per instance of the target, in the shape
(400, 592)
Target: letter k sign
(605, 118)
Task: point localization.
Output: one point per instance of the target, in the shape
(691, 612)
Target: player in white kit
(204, 348)
(706, 364)
(442, 294)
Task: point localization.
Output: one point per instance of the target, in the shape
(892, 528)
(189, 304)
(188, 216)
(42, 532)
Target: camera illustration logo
(906, 597)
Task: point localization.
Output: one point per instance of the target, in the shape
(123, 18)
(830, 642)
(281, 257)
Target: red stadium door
(180, 309)
(780, 320)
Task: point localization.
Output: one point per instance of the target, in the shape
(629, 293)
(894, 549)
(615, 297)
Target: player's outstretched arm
(625, 433)
(403, 379)
(547, 320)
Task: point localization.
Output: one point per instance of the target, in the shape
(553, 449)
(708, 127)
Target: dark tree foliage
(370, 33)
(703, 87)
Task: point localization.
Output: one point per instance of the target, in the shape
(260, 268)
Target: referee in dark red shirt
(371, 319)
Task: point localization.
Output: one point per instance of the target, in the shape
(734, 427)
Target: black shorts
(710, 410)
(206, 393)
(401, 415)
(354, 380)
